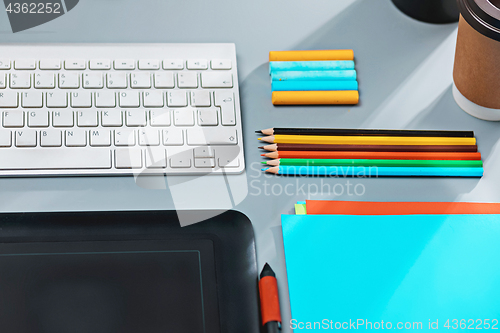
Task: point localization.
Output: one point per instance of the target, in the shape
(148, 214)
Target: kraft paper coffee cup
(476, 74)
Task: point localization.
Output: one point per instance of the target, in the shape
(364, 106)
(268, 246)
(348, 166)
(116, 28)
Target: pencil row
(313, 77)
(352, 152)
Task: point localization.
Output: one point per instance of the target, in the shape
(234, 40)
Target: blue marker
(313, 85)
(343, 75)
(310, 65)
(362, 172)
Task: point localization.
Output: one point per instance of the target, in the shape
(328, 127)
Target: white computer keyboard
(119, 109)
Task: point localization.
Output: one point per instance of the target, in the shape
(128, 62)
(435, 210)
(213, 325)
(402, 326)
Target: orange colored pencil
(374, 155)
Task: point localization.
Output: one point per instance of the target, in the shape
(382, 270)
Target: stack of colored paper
(393, 265)
(371, 153)
(313, 77)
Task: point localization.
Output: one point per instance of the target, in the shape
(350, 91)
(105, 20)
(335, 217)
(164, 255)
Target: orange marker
(269, 300)
(315, 97)
(311, 55)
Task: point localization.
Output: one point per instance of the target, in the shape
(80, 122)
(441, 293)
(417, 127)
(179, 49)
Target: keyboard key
(92, 80)
(129, 99)
(69, 80)
(32, 99)
(217, 80)
(173, 64)
(86, 119)
(176, 98)
(225, 99)
(140, 80)
(4, 64)
(105, 99)
(51, 158)
(76, 138)
(187, 80)
(25, 138)
(200, 98)
(228, 156)
(57, 99)
(75, 64)
(100, 138)
(181, 159)
(156, 158)
(3, 82)
(128, 158)
(135, 118)
(211, 136)
(164, 80)
(125, 137)
(100, 64)
(204, 162)
(38, 118)
(184, 117)
(63, 118)
(45, 81)
(117, 80)
(149, 64)
(20, 80)
(111, 118)
(81, 99)
(221, 64)
(25, 64)
(13, 119)
(125, 64)
(5, 138)
(160, 117)
(149, 137)
(207, 117)
(54, 64)
(50, 138)
(153, 98)
(204, 152)
(8, 99)
(197, 64)
(173, 137)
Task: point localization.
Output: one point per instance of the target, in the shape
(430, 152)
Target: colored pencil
(369, 132)
(348, 74)
(378, 163)
(375, 140)
(311, 55)
(336, 97)
(356, 171)
(374, 155)
(313, 85)
(310, 65)
(409, 148)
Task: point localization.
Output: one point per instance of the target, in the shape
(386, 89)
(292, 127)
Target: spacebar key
(211, 136)
(57, 158)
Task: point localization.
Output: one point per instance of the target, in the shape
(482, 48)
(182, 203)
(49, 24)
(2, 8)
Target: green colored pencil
(378, 163)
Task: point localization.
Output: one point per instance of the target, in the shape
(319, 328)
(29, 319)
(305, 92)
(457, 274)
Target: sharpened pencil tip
(263, 162)
(258, 132)
(259, 139)
(261, 147)
(262, 154)
(265, 169)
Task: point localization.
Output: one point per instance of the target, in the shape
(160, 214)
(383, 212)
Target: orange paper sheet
(333, 207)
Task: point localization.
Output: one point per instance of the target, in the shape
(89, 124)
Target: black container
(431, 11)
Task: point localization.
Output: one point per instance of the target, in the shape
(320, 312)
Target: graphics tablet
(127, 272)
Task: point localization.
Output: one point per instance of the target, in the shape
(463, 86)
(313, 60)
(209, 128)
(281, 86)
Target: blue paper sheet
(399, 269)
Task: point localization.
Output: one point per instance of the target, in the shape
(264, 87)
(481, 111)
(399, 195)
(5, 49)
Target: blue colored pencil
(313, 85)
(342, 171)
(310, 65)
(349, 74)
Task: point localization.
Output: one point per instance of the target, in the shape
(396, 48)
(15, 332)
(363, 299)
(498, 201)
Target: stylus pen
(269, 301)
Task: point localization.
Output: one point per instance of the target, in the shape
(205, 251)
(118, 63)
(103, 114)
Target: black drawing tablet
(127, 272)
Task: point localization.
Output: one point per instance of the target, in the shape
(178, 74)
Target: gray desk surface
(405, 81)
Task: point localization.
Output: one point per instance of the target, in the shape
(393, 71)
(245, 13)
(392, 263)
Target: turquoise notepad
(412, 268)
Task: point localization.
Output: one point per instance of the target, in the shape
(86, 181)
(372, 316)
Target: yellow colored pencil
(367, 140)
(315, 97)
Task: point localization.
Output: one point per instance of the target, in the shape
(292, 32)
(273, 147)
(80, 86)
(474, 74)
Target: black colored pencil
(367, 132)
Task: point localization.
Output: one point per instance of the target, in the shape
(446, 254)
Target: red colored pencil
(374, 155)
